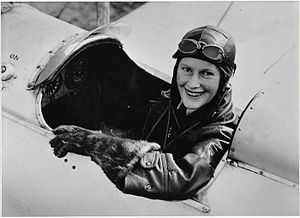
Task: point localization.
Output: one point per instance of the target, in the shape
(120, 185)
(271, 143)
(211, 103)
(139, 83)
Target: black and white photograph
(159, 108)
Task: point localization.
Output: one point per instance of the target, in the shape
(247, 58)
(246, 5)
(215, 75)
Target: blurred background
(85, 14)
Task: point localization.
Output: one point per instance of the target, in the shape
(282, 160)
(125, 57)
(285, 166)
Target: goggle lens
(212, 52)
(187, 46)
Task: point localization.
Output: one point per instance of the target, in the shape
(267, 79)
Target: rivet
(251, 108)
(38, 66)
(232, 163)
(148, 187)
(205, 209)
(239, 129)
(73, 167)
(66, 160)
(3, 69)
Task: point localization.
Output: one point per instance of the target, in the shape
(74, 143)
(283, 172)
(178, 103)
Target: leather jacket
(177, 155)
(191, 148)
(172, 157)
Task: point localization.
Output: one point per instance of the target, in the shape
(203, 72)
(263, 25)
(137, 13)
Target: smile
(193, 94)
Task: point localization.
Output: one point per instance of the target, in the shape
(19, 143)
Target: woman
(186, 133)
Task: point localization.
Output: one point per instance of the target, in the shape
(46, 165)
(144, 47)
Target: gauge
(77, 73)
(52, 87)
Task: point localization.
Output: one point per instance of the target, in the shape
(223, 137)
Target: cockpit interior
(100, 86)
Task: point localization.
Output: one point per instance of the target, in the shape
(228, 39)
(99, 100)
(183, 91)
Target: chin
(192, 107)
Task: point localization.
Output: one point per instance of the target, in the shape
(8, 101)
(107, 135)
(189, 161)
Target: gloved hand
(71, 139)
(115, 155)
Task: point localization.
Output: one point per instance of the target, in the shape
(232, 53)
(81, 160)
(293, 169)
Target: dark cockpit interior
(100, 86)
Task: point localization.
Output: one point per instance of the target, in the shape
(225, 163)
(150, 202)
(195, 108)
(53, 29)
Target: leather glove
(71, 139)
(115, 155)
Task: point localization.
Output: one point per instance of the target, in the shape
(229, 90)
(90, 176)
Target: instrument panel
(53, 87)
(68, 80)
(77, 74)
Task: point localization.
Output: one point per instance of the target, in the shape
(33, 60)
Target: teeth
(194, 94)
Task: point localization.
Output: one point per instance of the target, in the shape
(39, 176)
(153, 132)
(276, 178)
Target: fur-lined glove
(115, 155)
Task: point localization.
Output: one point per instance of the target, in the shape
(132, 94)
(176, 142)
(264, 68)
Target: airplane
(56, 73)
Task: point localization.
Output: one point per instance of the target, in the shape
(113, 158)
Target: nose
(194, 81)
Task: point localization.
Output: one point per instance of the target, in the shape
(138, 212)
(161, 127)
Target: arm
(161, 175)
(167, 179)
(117, 156)
(137, 167)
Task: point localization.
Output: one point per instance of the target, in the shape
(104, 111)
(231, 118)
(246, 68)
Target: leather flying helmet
(211, 44)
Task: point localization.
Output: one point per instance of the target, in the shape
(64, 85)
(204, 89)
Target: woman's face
(197, 81)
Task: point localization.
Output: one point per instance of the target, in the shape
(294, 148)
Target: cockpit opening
(100, 85)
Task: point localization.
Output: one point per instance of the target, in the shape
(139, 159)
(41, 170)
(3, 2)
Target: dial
(52, 87)
(77, 73)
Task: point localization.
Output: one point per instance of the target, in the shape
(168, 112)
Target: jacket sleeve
(138, 167)
(158, 176)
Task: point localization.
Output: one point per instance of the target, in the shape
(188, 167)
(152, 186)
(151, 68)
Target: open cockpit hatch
(97, 84)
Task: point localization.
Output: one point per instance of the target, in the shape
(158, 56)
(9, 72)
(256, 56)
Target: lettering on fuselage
(14, 57)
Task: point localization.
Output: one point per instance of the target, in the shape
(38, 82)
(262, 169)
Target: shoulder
(219, 132)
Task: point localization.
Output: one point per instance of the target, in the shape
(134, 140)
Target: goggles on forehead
(213, 52)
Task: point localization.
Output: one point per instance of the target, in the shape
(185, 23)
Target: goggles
(213, 52)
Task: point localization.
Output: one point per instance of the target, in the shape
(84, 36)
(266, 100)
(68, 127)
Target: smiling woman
(59, 74)
(197, 81)
(185, 134)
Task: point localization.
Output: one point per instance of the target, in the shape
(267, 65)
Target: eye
(207, 73)
(186, 69)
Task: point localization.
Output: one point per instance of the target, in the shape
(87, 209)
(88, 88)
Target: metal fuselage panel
(36, 183)
(27, 37)
(239, 192)
(267, 135)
